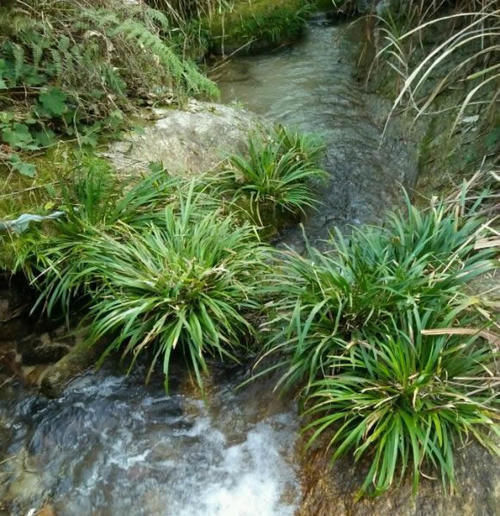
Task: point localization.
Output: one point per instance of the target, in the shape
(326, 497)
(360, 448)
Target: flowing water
(110, 445)
(311, 86)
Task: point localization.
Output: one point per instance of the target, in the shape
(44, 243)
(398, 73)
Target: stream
(311, 87)
(112, 446)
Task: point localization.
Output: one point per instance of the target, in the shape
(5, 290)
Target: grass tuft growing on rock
(277, 177)
(405, 399)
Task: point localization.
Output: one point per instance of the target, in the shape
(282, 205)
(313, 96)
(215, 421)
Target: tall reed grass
(464, 54)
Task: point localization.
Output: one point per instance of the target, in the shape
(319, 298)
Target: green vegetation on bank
(438, 61)
(73, 69)
(168, 266)
(385, 344)
(74, 74)
(248, 25)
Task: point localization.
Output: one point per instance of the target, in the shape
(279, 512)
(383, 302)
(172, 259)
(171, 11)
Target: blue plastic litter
(23, 221)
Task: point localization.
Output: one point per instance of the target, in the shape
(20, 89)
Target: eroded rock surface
(189, 141)
(331, 491)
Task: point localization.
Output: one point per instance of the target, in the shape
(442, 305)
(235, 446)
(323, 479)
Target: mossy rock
(56, 377)
(257, 25)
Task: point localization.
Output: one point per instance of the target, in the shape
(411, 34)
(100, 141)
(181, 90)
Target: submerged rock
(189, 141)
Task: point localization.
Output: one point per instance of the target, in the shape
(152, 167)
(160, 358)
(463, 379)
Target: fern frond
(18, 53)
(158, 18)
(36, 53)
(57, 63)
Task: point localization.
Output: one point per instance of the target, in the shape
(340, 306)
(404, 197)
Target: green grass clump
(55, 256)
(277, 176)
(187, 285)
(257, 24)
(157, 266)
(348, 331)
(406, 400)
(417, 260)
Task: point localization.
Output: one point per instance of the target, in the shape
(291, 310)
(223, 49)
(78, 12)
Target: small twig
(7, 459)
(10, 194)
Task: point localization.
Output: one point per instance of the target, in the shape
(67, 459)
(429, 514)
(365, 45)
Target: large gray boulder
(188, 141)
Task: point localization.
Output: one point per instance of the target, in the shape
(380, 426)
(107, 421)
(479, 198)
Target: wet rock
(35, 349)
(31, 374)
(13, 329)
(15, 301)
(10, 363)
(55, 378)
(189, 141)
(43, 349)
(25, 483)
(328, 491)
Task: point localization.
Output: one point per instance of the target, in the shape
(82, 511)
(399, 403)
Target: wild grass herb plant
(53, 257)
(160, 266)
(348, 332)
(465, 54)
(249, 25)
(94, 202)
(277, 178)
(188, 286)
(406, 401)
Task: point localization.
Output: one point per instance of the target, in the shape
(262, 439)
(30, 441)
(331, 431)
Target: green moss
(257, 25)
(21, 194)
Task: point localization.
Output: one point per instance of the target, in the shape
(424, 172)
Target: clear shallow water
(110, 445)
(311, 86)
